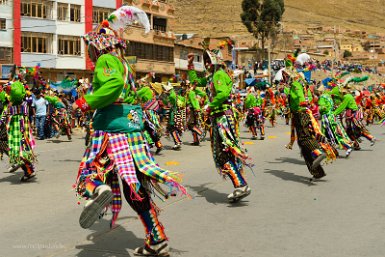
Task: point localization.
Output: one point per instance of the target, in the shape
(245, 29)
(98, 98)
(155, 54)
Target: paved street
(285, 216)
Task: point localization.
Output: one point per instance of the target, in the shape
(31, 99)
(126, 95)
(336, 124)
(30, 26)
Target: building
(346, 46)
(184, 45)
(48, 33)
(246, 58)
(374, 43)
(152, 52)
(6, 38)
(357, 47)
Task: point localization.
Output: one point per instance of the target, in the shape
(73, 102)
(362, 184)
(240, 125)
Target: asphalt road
(286, 215)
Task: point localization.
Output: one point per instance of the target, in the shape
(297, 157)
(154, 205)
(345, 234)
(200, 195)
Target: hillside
(222, 17)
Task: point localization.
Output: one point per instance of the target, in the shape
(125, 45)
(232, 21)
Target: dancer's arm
(193, 100)
(108, 84)
(223, 86)
(342, 107)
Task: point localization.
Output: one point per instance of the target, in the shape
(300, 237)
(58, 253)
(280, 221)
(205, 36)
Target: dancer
(177, 117)
(60, 116)
(194, 113)
(225, 144)
(331, 126)
(353, 116)
(306, 128)
(254, 117)
(271, 111)
(20, 140)
(150, 105)
(118, 148)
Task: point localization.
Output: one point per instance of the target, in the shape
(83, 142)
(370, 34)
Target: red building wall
(16, 32)
(88, 27)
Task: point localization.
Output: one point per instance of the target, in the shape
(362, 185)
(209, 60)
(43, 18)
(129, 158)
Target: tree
(262, 17)
(347, 54)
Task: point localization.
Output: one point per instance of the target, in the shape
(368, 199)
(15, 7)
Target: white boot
(160, 249)
(348, 152)
(238, 194)
(372, 142)
(92, 209)
(13, 168)
(177, 147)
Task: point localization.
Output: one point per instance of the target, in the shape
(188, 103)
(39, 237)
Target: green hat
(17, 93)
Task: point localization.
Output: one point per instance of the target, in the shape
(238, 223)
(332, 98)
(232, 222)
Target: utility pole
(335, 50)
(269, 61)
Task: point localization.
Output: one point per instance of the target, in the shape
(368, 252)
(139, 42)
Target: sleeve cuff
(304, 103)
(81, 102)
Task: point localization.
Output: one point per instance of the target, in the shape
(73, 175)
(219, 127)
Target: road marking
(272, 137)
(172, 163)
(288, 133)
(248, 143)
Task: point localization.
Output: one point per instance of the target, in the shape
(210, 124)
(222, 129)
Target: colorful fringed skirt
(177, 120)
(335, 132)
(20, 139)
(194, 119)
(355, 127)
(3, 139)
(254, 118)
(310, 140)
(60, 117)
(153, 129)
(121, 155)
(225, 143)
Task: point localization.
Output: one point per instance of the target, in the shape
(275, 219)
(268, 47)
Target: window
(100, 14)
(36, 42)
(36, 8)
(68, 45)
(2, 24)
(75, 13)
(150, 52)
(183, 54)
(62, 12)
(6, 55)
(160, 24)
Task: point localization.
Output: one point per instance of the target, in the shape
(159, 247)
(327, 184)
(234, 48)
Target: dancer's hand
(190, 58)
(207, 111)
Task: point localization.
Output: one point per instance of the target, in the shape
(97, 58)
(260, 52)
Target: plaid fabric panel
(147, 165)
(97, 140)
(14, 139)
(122, 157)
(116, 204)
(128, 152)
(18, 109)
(151, 105)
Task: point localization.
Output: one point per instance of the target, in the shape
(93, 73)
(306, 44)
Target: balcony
(182, 64)
(164, 35)
(159, 67)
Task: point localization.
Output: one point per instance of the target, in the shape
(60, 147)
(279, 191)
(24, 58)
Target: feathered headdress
(102, 39)
(128, 15)
(215, 56)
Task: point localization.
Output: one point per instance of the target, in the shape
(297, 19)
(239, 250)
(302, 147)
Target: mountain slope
(222, 17)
